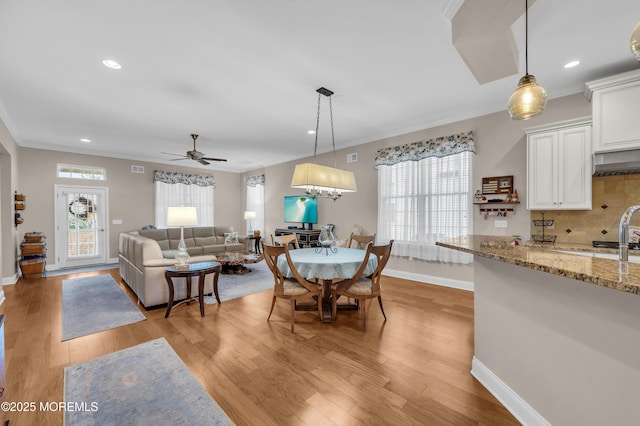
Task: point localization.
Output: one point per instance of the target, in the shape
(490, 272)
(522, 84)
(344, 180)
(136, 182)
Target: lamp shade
(182, 216)
(249, 215)
(528, 100)
(635, 42)
(323, 178)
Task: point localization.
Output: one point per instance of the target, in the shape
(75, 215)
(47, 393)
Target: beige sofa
(145, 254)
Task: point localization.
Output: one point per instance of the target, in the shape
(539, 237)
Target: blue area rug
(147, 384)
(233, 286)
(93, 304)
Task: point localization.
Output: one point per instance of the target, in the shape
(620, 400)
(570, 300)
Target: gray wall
(131, 195)
(500, 145)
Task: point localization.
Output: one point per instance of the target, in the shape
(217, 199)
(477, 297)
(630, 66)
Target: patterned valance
(438, 147)
(183, 178)
(254, 180)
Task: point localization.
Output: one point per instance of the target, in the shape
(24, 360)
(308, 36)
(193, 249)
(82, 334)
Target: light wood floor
(413, 369)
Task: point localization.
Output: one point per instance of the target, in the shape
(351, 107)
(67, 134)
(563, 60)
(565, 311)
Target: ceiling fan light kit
(323, 181)
(529, 99)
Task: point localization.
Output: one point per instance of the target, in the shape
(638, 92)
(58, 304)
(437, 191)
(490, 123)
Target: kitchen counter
(545, 257)
(552, 341)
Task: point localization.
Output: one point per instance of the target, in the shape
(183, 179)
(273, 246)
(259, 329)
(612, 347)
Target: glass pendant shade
(635, 42)
(528, 100)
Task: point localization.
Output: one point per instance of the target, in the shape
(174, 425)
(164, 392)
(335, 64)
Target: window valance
(183, 178)
(254, 180)
(438, 147)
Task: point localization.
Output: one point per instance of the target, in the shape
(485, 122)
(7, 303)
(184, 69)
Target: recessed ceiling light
(571, 64)
(85, 140)
(311, 132)
(111, 64)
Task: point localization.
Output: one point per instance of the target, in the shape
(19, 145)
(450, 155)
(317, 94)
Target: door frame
(59, 246)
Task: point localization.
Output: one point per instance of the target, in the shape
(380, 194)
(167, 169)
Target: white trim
(2, 298)
(517, 406)
(10, 280)
(430, 279)
(451, 8)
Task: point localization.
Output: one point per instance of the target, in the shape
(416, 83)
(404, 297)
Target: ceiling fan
(195, 154)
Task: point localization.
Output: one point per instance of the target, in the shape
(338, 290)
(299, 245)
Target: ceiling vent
(352, 158)
(137, 169)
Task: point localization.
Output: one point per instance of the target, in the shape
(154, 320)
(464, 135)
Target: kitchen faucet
(623, 238)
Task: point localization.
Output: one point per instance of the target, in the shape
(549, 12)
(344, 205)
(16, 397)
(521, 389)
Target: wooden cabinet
(615, 112)
(306, 237)
(559, 166)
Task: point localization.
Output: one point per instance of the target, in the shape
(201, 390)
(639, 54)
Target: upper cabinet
(616, 108)
(559, 166)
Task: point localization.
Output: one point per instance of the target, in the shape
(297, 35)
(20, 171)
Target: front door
(81, 237)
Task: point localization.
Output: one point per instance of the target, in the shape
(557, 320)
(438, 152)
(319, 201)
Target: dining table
(327, 266)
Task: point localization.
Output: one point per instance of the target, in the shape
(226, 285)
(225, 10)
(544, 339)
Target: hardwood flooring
(412, 369)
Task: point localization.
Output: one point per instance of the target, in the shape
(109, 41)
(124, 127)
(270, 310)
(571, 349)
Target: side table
(257, 242)
(200, 270)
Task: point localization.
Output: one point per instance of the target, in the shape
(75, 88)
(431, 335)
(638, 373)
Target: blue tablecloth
(342, 264)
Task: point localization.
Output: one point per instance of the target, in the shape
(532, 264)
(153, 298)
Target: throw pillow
(169, 254)
(231, 238)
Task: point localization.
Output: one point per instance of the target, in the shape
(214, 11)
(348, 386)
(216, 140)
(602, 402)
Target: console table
(306, 237)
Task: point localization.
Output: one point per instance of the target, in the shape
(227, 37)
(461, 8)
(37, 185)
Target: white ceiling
(244, 74)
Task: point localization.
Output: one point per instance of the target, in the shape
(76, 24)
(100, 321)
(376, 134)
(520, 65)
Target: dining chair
(286, 240)
(286, 288)
(363, 288)
(361, 240)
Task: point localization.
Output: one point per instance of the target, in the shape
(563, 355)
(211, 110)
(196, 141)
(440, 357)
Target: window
(421, 202)
(180, 189)
(71, 171)
(255, 200)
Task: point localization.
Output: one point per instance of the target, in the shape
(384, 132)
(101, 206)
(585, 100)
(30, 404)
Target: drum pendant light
(635, 42)
(529, 98)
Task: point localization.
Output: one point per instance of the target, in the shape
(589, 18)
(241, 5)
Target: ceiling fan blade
(201, 161)
(171, 153)
(178, 159)
(214, 159)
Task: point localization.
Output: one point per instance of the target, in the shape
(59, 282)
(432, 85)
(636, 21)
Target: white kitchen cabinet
(615, 111)
(559, 166)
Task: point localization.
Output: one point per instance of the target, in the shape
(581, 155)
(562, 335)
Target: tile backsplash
(611, 195)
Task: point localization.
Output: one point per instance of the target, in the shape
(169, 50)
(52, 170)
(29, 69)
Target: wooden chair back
(271, 254)
(361, 240)
(285, 240)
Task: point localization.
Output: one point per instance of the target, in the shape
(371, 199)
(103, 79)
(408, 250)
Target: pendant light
(529, 98)
(323, 181)
(635, 42)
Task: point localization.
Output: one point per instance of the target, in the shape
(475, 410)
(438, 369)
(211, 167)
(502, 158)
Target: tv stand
(306, 237)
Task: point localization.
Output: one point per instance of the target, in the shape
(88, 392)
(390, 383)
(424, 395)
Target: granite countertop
(544, 257)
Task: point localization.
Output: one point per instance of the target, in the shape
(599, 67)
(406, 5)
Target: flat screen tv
(300, 209)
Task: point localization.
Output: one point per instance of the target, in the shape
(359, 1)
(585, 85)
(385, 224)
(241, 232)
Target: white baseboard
(517, 406)
(430, 279)
(10, 280)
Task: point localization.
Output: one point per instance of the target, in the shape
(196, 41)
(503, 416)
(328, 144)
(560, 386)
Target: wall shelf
(497, 206)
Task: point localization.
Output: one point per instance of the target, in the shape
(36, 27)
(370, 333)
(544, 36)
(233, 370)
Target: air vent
(352, 158)
(137, 169)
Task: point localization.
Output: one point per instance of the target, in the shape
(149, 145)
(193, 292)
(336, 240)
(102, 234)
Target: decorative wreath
(81, 207)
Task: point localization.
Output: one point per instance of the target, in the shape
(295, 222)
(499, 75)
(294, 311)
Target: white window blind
(178, 194)
(255, 202)
(421, 202)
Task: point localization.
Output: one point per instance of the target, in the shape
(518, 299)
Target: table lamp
(182, 216)
(249, 215)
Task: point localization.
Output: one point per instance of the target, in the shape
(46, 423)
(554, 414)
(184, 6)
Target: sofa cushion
(213, 249)
(235, 247)
(205, 241)
(202, 232)
(160, 235)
